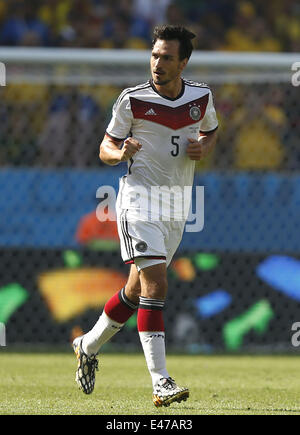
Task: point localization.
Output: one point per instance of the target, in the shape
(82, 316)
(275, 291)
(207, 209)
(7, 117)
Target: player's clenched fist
(194, 149)
(130, 147)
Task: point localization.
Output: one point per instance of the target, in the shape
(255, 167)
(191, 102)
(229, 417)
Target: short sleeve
(209, 122)
(121, 121)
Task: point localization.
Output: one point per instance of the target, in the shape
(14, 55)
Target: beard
(160, 81)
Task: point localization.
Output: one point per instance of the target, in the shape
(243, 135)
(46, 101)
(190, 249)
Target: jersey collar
(164, 96)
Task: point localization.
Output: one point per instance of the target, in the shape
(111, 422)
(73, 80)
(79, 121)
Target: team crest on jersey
(195, 113)
(141, 246)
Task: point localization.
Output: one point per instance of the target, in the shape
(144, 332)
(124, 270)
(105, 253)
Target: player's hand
(195, 149)
(130, 148)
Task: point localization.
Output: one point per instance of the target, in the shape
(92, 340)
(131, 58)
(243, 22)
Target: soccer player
(161, 128)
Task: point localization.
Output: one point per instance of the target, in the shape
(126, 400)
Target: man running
(161, 128)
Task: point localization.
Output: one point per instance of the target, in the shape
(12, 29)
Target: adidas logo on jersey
(150, 112)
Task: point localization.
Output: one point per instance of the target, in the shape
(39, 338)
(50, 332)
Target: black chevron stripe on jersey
(130, 90)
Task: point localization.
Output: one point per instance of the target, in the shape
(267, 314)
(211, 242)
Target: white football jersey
(162, 126)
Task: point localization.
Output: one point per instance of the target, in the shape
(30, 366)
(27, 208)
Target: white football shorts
(147, 242)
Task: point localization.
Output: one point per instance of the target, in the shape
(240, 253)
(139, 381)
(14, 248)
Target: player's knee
(155, 289)
(133, 292)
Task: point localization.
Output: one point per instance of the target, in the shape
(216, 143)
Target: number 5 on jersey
(174, 141)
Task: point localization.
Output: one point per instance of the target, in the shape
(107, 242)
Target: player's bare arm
(198, 149)
(111, 152)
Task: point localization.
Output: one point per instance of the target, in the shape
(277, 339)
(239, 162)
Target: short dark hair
(169, 33)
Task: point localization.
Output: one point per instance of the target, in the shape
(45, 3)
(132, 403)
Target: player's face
(165, 63)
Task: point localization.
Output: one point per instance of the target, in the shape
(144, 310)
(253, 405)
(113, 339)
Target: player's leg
(116, 312)
(150, 320)
(133, 286)
(152, 333)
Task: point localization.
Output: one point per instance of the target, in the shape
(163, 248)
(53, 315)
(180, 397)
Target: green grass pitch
(44, 383)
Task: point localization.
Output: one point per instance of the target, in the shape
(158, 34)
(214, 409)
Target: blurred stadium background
(233, 287)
